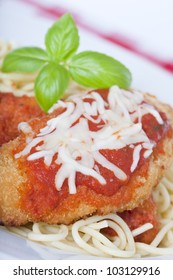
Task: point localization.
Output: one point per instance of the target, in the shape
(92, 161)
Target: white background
(146, 23)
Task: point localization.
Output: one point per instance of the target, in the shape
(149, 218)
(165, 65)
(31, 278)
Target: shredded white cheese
(136, 157)
(76, 148)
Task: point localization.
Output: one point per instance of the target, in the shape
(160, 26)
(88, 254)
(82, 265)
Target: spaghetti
(19, 84)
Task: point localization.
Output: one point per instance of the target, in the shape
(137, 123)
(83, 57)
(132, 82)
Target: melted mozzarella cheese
(68, 140)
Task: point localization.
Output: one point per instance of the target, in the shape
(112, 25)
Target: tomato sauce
(144, 213)
(14, 110)
(42, 193)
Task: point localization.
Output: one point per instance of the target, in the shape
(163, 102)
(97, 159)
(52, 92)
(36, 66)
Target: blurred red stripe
(56, 12)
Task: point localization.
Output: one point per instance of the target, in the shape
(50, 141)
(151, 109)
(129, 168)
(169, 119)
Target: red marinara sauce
(40, 192)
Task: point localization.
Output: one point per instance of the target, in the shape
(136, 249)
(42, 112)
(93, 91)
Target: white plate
(146, 77)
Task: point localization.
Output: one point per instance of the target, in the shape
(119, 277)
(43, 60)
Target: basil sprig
(59, 62)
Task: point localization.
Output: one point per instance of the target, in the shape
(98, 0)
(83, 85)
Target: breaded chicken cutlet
(14, 110)
(93, 154)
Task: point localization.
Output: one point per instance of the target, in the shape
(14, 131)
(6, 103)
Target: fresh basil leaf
(97, 70)
(26, 60)
(62, 39)
(50, 85)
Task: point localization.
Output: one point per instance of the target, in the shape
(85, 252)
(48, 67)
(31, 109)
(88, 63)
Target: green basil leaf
(50, 85)
(62, 39)
(97, 70)
(26, 60)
